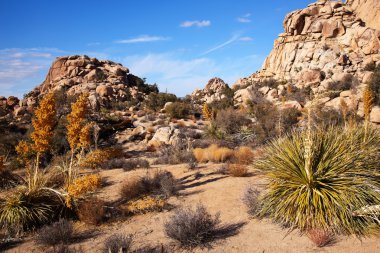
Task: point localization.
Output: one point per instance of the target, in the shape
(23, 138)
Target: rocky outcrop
(105, 81)
(214, 91)
(326, 43)
(324, 38)
(368, 11)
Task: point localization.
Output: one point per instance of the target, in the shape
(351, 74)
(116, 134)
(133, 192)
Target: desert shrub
(319, 180)
(370, 66)
(269, 82)
(213, 154)
(300, 95)
(230, 121)
(266, 115)
(136, 163)
(178, 110)
(156, 101)
(320, 237)
(251, 200)
(237, 170)
(82, 185)
(174, 155)
(91, 211)
(60, 232)
(146, 204)
(7, 178)
(161, 183)
(192, 228)
(118, 243)
(131, 189)
(347, 82)
(25, 210)
(325, 116)
(374, 85)
(244, 155)
(289, 119)
(192, 165)
(98, 157)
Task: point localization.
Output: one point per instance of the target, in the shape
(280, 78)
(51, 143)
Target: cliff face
(368, 11)
(327, 37)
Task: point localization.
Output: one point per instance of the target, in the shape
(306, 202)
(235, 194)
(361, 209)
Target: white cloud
(142, 39)
(23, 69)
(245, 18)
(93, 44)
(198, 23)
(245, 39)
(233, 39)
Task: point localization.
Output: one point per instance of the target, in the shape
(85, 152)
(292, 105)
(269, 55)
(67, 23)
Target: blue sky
(179, 44)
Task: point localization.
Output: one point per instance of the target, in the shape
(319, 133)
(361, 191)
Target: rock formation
(368, 11)
(214, 91)
(104, 81)
(321, 45)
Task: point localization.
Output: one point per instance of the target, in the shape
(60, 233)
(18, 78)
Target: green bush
(178, 110)
(230, 121)
(323, 183)
(156, 101)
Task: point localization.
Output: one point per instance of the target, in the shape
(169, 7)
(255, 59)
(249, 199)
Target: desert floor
(219, 193)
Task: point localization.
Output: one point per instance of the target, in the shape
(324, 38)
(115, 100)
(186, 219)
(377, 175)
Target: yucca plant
(24, 210)
(319, 179)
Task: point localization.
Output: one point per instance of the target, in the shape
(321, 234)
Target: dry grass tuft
(237, 170)
(130, 189)
(91, 211)
(213, 154)
(244, 155)
(320, 237)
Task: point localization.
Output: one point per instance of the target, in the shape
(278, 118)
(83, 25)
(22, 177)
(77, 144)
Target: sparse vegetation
(178, 110)
(192, 228)
(118, 243)
(91, 211)
(58, 233)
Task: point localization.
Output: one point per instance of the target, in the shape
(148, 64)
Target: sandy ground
(218, 193)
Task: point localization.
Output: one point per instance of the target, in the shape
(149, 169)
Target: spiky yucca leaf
(24, 210)
(344, 178)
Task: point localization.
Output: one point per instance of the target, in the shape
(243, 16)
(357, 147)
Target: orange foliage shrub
(237, 170)
(44, 123)
(146, 204)
(97, 157)
(76, 122)
(81, 186)
(244, 155)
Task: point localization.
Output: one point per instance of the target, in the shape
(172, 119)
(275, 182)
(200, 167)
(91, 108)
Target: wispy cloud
(171, 71)
(232, 40)
(142, 39)
(245, 39)
(182, 76)
(245, 18)
(93, 44)
(22, 69)
(198, 23)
